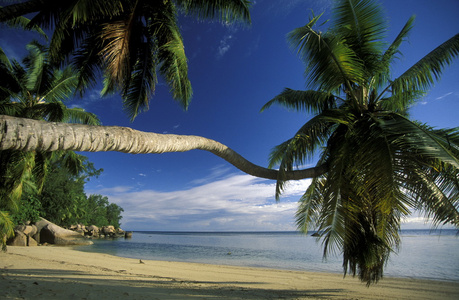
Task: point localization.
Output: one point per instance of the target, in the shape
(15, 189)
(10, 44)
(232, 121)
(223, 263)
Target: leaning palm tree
(381, 165)
(33, 90)
(130, 40)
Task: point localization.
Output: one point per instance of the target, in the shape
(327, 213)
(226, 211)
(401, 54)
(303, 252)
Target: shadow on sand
(63, 284)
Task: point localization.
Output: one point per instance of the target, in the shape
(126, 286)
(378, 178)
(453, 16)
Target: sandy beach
(48, 272)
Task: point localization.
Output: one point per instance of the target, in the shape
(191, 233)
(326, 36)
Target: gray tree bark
(33, 135)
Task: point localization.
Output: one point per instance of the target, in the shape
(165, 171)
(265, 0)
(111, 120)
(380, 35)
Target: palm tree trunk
(33, 135)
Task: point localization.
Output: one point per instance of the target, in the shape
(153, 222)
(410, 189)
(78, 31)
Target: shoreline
(51, 272)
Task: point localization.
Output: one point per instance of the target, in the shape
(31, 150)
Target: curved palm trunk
(32, 135)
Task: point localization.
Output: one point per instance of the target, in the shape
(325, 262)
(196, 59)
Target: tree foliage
(34, 89)
(380, 164)
(131, 41)
(64, 201)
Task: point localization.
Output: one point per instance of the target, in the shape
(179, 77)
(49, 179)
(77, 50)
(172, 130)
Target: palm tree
(34, 135)
(381, 165)
(34, 90)
(127, 39)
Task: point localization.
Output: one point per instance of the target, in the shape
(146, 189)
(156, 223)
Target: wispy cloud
(217, 202)
(439, 98)
(225, 45)
(234, 202)
(90, 97)
(444, 96)
(173, 128)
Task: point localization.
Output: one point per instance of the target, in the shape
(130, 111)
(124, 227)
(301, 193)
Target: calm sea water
(423, 254)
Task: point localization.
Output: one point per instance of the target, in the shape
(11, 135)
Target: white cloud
(444, 96)
(235, 202)
(218, 202)
(225, 45)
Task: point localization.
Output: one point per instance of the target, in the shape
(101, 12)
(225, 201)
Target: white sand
(48, 272)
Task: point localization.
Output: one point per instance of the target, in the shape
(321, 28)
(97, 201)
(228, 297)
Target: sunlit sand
(47, 272)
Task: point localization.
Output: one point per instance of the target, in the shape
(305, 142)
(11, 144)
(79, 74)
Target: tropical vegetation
(64, 202)
(129, 40)
(381, 165)
(34, 89)
(375, 165)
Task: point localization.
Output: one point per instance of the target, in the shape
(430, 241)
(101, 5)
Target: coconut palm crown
(381, 165)
(129, 40)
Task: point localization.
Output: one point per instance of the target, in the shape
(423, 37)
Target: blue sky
(234, 71)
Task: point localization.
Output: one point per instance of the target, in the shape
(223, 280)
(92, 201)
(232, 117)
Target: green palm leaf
(362, 26)
(63, 86)
(330, 63)
(6, 228)
(110, 35)
(142, 83)
(420, 139)
(423, 74)
(171, 53)
(79, 115)
(310, 101)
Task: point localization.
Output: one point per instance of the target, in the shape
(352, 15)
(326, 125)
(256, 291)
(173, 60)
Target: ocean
(424, 254)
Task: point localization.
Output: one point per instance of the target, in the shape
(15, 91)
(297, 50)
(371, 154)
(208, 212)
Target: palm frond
(116, 50)
(24, 23)
(171, 55)
(423, 74)
(87, 62)
(52, 112)
(35, 63)
(87, 11)
(5, 63)
(62, 87)
(300, 149)
(330, 63)
(6, 228)
(65, 40)
(439, 194)
(420, 139)
(310, 101)
(10, 82)
(143, 81)
(79, 115)
(72, 161)
(361, 24)
(311, 203)
(392, 50)
(382, 70)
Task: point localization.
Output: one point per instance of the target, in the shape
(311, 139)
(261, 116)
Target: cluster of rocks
(102, 232)
(45, 232)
